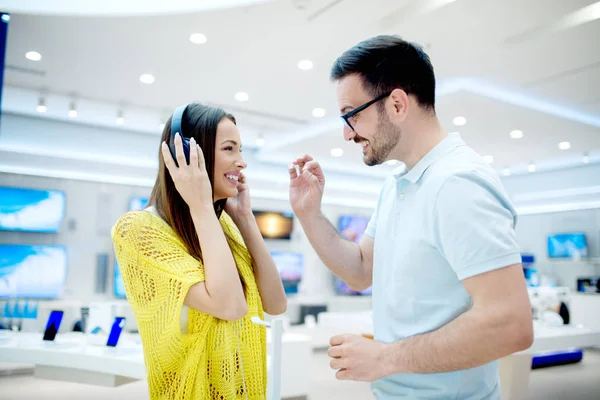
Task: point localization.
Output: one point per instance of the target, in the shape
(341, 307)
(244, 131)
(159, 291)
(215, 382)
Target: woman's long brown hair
(200, 122)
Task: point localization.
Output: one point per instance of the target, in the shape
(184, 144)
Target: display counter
(72, 358)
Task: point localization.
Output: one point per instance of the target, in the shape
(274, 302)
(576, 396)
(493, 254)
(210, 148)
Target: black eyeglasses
(346, 117)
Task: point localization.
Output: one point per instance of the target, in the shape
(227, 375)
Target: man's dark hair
(389, 62)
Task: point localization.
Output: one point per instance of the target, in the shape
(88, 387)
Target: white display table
(514, 369)
(71, 358)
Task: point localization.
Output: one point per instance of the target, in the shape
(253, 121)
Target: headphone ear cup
(186, 149)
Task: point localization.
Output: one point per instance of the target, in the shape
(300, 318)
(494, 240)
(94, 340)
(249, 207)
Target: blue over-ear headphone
(176, 122)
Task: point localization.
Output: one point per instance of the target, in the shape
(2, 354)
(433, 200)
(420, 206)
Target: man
(449, 295)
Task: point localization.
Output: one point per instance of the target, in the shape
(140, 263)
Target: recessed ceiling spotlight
(564, 145)
(162, 126)
(198, 38)
(242, 96)
(586, 158)
(506, 172)
(516, 134)
(531, 167)
(72, 110)
(33, 56)
(120, 119)
(488, 159)
(337, 152)
(147, 79)
(41, 107)
(305, 65)
(459, 121)
(318, 112)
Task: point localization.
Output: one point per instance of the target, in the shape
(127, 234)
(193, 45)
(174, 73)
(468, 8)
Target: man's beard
(384, 141)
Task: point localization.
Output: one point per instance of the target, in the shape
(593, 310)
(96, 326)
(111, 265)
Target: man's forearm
(341, 256)
(475, 338)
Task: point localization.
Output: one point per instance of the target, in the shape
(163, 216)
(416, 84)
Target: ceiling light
(531, 167)
(162, 127)
(5, 17)
(516, 134)
(337, 152)
(242, 96)
(579, 17)
(392, 162)
(305, 65)
(586, 158)
(72, 110)
(147, 79)
(506, 172)
(488, 159)
(260, 141)
(564, 145)
(459, 121)
(41, 107)
(120, 119)
(197, 38)
(33, 56)
(318, 112)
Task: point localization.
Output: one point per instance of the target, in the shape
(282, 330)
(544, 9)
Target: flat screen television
(138, 203)
(290, 266)
(568, 245)
(31, 210)
(118, 285)
(29, 271)
(275, 225)
(351, 228)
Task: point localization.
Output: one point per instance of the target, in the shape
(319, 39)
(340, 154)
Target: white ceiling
(118, 7)
(503, 65)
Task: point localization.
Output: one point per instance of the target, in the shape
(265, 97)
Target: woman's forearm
(265, 271)
(222, 279)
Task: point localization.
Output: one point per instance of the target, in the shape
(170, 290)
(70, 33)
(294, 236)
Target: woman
(196, 258)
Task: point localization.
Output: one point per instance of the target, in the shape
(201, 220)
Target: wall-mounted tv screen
(275, 225)
(118, 285)
(351, 228)
(290, 266)
(567, 245)
(31, 210)
(138, 203)
(28, 271)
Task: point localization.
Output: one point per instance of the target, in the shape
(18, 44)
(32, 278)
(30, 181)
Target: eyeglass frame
(346, 117)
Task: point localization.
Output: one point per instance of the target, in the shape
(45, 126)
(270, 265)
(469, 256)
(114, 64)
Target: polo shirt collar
(449, 143)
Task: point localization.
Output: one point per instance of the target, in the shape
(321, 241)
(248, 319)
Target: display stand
(274, 379)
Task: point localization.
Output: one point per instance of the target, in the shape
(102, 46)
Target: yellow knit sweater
(204, 362)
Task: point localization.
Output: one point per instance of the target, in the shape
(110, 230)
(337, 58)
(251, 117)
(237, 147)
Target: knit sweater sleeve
(156, 268)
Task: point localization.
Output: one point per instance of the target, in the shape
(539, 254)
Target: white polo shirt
(445, 220)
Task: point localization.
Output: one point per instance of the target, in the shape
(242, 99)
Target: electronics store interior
(88, 88)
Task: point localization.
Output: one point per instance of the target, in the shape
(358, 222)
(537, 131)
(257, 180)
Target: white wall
(533, 230)
(566, 189)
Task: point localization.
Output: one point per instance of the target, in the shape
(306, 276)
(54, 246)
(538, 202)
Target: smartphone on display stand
(53, 325)
(115, 331)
